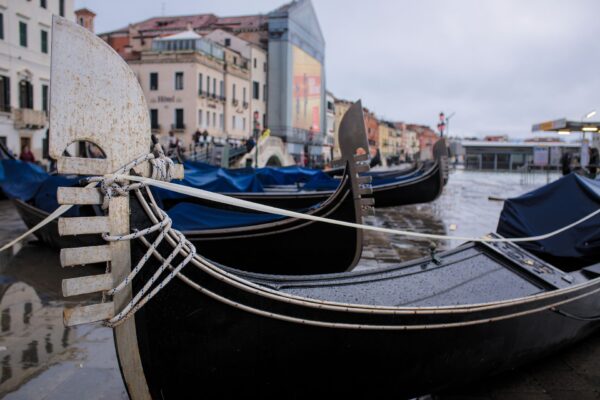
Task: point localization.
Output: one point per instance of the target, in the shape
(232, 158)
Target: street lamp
(448, 123)
(584, 156)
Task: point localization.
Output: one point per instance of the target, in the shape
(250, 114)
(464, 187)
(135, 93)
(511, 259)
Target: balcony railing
(177, 127)
(25, 118)
(155, 128)
(5, 108)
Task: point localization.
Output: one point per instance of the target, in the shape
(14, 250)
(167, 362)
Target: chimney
(85, 18)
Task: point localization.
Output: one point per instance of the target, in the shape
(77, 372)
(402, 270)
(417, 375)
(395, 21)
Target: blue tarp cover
(192, 217)
(551, 207)
(21, 179)
(45, 198)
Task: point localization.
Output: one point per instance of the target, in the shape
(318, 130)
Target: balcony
(155, 128)
(25, 118)
(235, 102)
(178, 127)
(245, 104)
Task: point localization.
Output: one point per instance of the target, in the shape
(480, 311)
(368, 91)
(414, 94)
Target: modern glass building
(296, 80)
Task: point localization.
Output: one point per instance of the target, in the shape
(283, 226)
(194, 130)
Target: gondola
(245, 239)
(217, 332)
(423, 185)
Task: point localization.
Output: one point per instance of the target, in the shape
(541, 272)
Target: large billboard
(306, 91)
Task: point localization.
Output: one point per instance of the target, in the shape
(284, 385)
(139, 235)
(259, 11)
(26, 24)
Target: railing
(155, 128)
(25, 118)
(178, 127)
(5, 108)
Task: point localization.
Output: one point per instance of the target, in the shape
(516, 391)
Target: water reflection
(30, 332)
(463, 209)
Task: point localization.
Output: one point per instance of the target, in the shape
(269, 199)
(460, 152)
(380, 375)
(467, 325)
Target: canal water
(41, 359)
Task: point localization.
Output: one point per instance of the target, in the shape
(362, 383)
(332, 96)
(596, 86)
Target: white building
(257, 59)
(25, 37)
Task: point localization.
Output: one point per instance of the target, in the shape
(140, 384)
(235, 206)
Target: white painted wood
(367, 201)
(361, 157)
(86, 284)
(177, 171)
(82, 225)
(364, 180)
(360, 167)
(84, 255)
(365, 191)
(74, 195)
(83, 166)
(86, 314)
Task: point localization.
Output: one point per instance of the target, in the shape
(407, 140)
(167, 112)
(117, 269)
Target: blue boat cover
(21, 180)
(193, 217)
(551, 207)
(326, 182)
(45, 198)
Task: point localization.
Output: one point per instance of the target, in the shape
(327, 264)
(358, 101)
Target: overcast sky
(501, 65)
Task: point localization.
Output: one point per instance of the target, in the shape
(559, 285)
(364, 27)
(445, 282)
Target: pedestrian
(26, 155)
(565, 163)
(593, 165)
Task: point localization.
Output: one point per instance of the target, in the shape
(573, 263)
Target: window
(44, 41)
(264, 92)
(254, 62)
(4, 93)
(221, 121)
(1, 26)
(199, 83)
(45, 98)
(214, 119)
(200, 117)
(25, 94)
(264, 67)
(179, 119)
(233, 122)
(244, 123)
(244, 91)
(178, 80)
(61, 8)
(255, 90)
(214, 87)
(234, 60)
(207, 84)
(154, 118)
(233, 96)
(44, 3)
(222, 89)
(264, 121)
(208, 118)
(153, 80)
(22, 33)
(81, 21)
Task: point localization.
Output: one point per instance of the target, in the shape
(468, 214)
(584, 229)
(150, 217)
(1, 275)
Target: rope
(161, 167)
(219, 198)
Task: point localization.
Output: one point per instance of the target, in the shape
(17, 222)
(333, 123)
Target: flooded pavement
(41, 359)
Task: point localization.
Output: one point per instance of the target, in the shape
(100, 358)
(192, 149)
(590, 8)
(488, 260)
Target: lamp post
(448, 123)
(584, 155)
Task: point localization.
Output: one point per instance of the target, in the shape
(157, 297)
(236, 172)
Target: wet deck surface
(41, 359)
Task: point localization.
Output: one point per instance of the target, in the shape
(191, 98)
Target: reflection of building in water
(31, 333)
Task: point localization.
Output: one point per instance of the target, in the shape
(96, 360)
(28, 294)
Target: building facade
(427, 138)
(340, 107)
(372, 126)
(25, 37)
(194, 84)
(297, 81)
